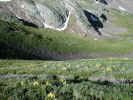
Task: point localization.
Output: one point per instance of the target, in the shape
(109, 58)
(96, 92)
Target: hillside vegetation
(101, 79)
(25, 42)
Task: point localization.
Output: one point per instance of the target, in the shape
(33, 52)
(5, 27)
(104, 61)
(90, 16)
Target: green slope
(24, 42)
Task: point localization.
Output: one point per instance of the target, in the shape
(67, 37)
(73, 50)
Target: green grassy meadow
(94, 79)
(35, 78)
(124, 20)
(21, 40)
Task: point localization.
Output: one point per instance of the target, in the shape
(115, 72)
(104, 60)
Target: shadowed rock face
(102, 1)
(94, 20)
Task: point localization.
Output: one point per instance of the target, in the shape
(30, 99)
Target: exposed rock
(47, 13)
(56, 14)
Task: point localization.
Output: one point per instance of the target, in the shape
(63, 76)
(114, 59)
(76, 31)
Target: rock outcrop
(55, 14)
(47, 13)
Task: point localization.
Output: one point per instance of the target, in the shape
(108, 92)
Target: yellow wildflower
(98, 65)
(63, 81)
(108, 69)
(51, 95)
(48, 83)
(35, 83)
(22, 83)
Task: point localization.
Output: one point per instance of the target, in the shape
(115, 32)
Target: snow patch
(22, 6)
(121, 8)
(97, 2)
(87, 10)
(59, 29)
(5, 0)
(95, 38)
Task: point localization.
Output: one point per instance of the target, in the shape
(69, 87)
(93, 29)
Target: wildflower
(22, 83)
(51, 95)
(35, 83)
(98, 65)
(63, 81)
(48, 83)
(108, 69)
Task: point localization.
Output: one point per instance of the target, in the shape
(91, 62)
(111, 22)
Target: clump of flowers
(63, 81)
(48, 83)
(22, 83)
(108, 69)
(51, 95)
(98, 65)
(35, 83)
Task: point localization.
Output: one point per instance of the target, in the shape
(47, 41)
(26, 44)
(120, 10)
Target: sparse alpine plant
(51, 95)
(48, 83)
(35, 83)
(22, 83)
(98, 65)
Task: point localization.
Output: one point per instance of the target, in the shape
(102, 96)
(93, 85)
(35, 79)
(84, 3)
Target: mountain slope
(26, 43)
(80, 19)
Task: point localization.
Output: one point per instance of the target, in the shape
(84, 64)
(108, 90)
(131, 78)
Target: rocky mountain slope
(45, 13)
(57, 14)
(69, 20)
